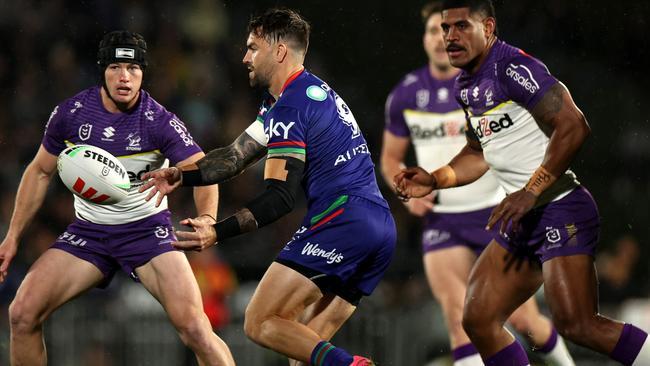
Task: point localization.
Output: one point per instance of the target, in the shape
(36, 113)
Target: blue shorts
(568, 226)
(344, 246)
(446, 230)
(111, 247)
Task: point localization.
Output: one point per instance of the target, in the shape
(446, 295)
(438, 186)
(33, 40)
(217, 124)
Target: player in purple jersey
(122, 118)
(310, 138)
(422, 111)
(524, 126)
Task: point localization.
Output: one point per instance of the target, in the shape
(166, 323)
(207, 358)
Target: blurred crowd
(48, 53)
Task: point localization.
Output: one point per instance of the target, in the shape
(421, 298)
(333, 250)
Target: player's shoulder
(511, 59)
(72, 105)
(306, 92)
(153, 112)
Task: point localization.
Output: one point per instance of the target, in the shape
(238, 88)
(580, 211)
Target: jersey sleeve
(525, 80)
(394, 115)
(286, 129)
(54, 136)
(176, 142)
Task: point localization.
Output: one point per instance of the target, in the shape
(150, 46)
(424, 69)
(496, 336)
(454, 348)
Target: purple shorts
(126, 246)
(445, 230)
(565, 227)
(344, 246)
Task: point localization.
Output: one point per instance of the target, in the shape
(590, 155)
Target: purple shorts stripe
(569, 226)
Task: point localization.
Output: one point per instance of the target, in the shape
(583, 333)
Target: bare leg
(272, 315)
(529, 322)
(54, 279)
(571, 292)
(447, 273)
(325, 317)
(169, 278)
(498, 284)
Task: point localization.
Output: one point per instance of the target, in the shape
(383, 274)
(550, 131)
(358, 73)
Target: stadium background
(361, 48)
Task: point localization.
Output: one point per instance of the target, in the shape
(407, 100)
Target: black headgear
(122, 46)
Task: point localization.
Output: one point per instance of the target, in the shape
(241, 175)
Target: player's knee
(478, 323)
(256, 327)
(192, 326)
(574, 329)
(521, 324)
(22, 317)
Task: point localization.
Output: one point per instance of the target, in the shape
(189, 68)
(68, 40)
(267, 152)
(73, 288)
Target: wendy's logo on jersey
(346, 116)
(486, 126)
(84, 131)
(313, 250)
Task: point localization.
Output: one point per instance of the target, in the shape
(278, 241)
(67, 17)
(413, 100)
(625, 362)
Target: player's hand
(420, 206)
(512, 209)
(413, 182)
(164, 181)
(203, 237)
(8, 250)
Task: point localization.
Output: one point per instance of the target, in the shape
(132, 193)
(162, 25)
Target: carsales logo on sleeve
(180, 128)
(522, 76)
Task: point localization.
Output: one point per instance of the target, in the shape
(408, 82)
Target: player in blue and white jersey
(421, 110)
(311, 139)
(524, 126)
(125, 120)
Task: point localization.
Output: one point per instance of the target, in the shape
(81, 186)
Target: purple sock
(463, 351)
(324, 354)
(550, 343)
(512, 355)
(628, 345)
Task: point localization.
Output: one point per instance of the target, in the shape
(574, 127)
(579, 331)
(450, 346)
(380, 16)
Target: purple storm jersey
(424, 110)
(497, 100)
(142, 139)
(310, 119)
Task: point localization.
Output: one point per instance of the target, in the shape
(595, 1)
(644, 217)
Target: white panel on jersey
(256, 131)
(514, 146)
(437, 138)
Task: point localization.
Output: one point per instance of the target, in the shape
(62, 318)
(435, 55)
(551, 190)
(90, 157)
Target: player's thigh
(169, 278)
(282, 292)
(570, 287)
(327, 315)
(55, 278)
(499, 282)
(447, 272)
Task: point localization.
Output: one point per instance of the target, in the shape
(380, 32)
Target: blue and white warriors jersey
(310, 119)
(146, 138)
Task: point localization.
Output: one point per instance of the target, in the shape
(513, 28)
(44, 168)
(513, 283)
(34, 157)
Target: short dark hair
(485, 7)
(282, 24)
(429, 9)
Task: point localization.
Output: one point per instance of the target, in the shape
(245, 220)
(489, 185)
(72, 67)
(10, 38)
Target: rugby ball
(93, 174)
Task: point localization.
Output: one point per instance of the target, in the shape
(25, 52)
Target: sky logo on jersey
(523, 76)
(491, 124)
(278, 129)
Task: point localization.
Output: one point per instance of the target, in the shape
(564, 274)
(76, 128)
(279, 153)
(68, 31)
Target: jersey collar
(291, 78)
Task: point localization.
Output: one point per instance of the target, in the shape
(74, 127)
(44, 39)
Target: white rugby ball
(93, 174)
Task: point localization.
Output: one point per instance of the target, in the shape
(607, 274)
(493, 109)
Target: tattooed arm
(217, 166)
(557, 113)
(227, 162)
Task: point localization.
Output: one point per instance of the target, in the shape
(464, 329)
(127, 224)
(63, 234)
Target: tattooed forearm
(227, 162)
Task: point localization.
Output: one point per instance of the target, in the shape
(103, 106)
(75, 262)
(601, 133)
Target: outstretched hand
(413, 182)
(164, 181)
(512, 209)
(203, 236)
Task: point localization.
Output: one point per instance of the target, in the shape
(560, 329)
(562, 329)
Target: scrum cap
(122, 46)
